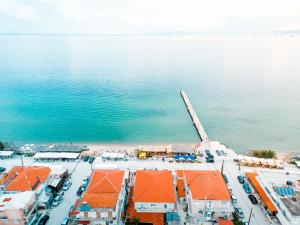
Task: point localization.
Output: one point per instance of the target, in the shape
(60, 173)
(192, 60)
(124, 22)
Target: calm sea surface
(245, 89)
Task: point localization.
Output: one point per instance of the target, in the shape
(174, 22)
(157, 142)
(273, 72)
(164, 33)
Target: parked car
(289, 183)
(218, 152)
(43, 220)
(241, 179)
(238, 213)
(65, 221)
(253, 199)
(225, 178)
(2, 169)
(67, 185)
(210, 159)
(247, 188)
(80, 190)
(86, 158)
(224, 153)
(229, 189)
(207, 152)
(91, 160)
(57, 200)
(85, 181)
(233, 199)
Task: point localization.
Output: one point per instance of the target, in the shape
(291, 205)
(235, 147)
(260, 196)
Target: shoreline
(279, 154)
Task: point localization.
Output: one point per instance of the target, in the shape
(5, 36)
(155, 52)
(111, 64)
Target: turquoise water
(126, 89)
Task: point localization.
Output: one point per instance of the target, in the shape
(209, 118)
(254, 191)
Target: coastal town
(204, 183)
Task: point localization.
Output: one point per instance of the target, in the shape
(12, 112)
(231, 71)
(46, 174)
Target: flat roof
(154, 186)
(16, 200)
(56, 155)
(6, 153)
(183, 148)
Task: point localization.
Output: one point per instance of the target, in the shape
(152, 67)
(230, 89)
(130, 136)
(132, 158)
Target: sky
(147, 16)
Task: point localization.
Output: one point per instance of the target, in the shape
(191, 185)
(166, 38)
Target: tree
(267, 154)
(1, 146)
(135, 221)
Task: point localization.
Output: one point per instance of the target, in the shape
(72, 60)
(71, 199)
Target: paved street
(82, 169)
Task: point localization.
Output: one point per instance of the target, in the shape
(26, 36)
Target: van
(233, 199)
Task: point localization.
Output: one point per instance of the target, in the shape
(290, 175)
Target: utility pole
(22, 159)
(250, 216)
(222, 167)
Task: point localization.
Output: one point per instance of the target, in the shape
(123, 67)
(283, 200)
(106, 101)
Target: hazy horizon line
(167, 33)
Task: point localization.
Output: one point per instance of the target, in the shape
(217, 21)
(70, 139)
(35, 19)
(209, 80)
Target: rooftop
(25, 178)
(15, 201)
(104, 188)
(262, 193)
(154, 186)
(206, 184)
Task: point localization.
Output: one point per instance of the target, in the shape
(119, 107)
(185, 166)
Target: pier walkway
(201, 132)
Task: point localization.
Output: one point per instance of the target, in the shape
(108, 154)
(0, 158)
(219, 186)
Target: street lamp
(250, 216)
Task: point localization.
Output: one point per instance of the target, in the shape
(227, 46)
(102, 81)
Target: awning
(261, 192)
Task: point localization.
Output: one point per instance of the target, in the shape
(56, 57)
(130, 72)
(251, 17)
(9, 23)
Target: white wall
(154, 207)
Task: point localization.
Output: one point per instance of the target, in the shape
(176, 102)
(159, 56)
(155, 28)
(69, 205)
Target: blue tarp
(172, 216)
(285, 191)
(185, 157)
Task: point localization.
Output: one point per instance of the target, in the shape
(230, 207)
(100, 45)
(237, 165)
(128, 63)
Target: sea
(126, 89)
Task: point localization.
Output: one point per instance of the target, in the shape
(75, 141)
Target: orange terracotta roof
(180, 174)
(225, 222)
(206, 184)
(27, 178)
(180, 188)
(5, 177)
(154, 186)
(261, 192)
(150, 218)
(104, 188)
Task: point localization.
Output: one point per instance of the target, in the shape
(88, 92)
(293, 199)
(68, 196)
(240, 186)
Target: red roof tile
(206, 184)
(27, 178)
(154, 186)
(104, 188)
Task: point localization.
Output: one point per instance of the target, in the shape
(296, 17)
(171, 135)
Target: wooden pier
(197, 123)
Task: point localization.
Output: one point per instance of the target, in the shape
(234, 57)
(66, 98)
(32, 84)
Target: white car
(233, 199)
(57, 200)
(85, 181)
(67, 185)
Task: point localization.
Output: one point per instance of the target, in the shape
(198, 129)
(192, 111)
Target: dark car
(86, 158)
(43, 220)
(207, 152)
(241, 179)
(91, 160)
(238, 213)
(253, 199)
(80, 190)
(218, 152)
(225, 178)
(224, 153)
(210, 159)
(2, 169)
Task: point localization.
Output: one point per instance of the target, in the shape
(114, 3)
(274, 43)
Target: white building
(154, 191)
(104, 200)
(206, 195)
